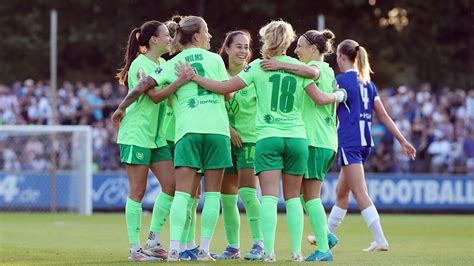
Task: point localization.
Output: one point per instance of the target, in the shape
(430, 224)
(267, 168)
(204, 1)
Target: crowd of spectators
(439, 123)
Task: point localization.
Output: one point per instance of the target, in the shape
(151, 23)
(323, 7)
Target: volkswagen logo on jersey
(232, 107)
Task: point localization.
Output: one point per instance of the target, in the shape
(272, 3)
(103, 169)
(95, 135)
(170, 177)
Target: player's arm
(311, 72)
(142, 86)
(220, 87)
(382, 115)
(323, 98)
(159, 95)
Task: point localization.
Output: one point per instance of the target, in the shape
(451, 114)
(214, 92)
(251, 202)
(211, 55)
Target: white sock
(182, 247)
(174, 245)
(335, 217)
(153, 239)
(372, 219)
(135, 247)
(205, 243)
(190, 245)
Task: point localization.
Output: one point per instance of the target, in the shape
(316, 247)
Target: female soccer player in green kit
(201, 134)
(320, 122)
(142, 146)
(281, 148)
(240, 179)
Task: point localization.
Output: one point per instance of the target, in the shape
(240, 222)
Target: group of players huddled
(240, 124)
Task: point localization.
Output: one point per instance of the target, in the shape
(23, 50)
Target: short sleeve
(164, 74)
(247, 74)
(221, 69)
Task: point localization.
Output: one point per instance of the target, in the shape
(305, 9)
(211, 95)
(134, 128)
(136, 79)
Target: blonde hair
(183, 29)
(359, 56)
(276, 37)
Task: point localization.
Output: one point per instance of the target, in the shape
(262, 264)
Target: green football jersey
(320, 120)
(196, 109)
(168, 124)
(141, 124)
(241, 110)
(279, 99)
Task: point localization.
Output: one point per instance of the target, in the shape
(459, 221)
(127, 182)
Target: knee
(342, 194)
(137, 194)
(168, 189)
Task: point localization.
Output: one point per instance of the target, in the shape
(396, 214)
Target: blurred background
(420, 51)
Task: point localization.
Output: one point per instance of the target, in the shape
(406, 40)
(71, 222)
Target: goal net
(46, 168)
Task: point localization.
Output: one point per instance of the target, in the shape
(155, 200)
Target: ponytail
(139, 37)
(362, 65)
(357, 55)
(130, 55)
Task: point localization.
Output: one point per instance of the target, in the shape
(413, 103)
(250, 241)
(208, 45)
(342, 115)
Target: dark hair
(183, 29)
(323, 40)
(229, 39)
(138, 37)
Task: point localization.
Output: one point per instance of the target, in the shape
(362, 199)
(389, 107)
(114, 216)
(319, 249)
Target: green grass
(102, 239)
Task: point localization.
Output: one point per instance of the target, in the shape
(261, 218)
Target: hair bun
(176, 18)
(328, 34)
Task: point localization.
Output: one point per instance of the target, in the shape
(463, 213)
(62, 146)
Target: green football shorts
(243, 157)
(319, 162)
(131, 154)
(288, 154)
(203, 151)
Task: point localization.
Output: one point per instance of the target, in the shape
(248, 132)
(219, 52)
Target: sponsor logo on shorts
(139, 155)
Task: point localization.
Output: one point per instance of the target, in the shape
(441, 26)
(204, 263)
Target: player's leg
(216, 156)
(162, 168)
(370, 214)
(319, 162)
(188, 247)
(136, 161)
(230, 213)
(187, 160)
(268, 166)
(248, 195)
(295, 164)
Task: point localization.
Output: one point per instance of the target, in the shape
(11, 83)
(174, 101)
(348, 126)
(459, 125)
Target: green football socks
(252, 210)
(317, 215)
(230, 213)
(295, 218)
(133, 217)
(268, 217)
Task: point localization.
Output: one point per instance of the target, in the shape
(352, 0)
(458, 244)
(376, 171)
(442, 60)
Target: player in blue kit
(355, 140)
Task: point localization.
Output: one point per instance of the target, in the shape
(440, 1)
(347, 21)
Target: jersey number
(286, 98)
(200, 71)
(364, 95)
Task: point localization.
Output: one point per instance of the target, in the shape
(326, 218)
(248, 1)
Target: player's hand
(117, 117)
(270, 64)
(409, 150)
(235, 138)
(184, 71)
(341, 95)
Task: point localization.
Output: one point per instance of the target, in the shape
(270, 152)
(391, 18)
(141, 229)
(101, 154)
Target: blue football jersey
(355, 118)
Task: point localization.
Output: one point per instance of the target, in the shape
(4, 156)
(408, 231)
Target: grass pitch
(102, 239)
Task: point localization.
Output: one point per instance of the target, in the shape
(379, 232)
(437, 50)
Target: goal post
(46, 168)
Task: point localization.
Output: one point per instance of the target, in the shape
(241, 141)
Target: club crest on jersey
(247, 68)
(193, 103)
(140, 155)
(268, 118)
(243, 92)
(158, 70)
